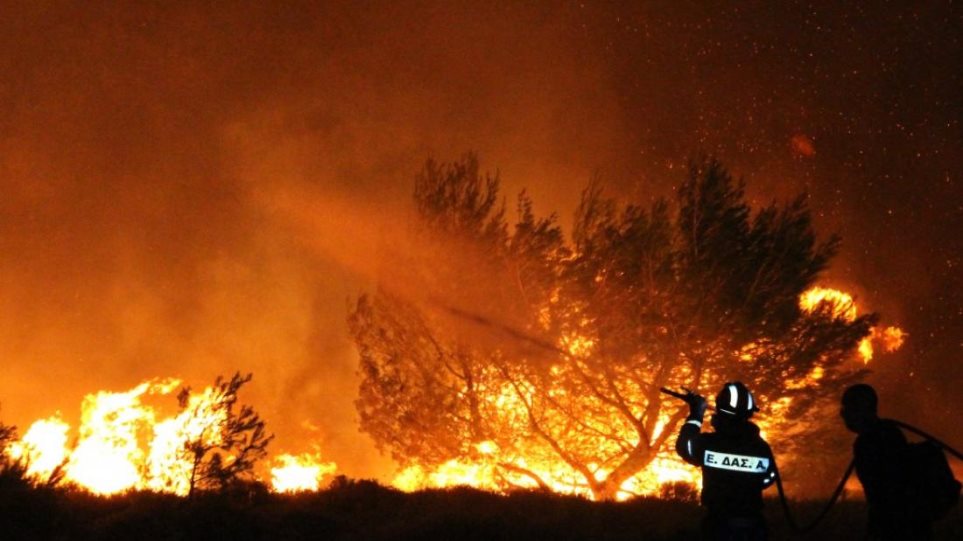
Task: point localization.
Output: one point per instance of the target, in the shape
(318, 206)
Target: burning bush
(122, 445)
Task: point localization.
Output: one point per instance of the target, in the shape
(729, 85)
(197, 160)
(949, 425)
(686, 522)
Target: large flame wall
(124, 442)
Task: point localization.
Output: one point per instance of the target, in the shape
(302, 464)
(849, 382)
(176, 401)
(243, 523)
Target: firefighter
(878, 454)
(737, 464)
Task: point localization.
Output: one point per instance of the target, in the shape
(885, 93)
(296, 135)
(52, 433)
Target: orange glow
(803, 145)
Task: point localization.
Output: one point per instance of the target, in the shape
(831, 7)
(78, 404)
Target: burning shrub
(121, 444)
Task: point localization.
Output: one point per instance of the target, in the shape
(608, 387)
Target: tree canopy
(562, 389)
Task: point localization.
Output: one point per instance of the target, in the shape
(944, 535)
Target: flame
(485, 474)
(108, 456)
(301, 473)
(487, 447)
(523, 465)
(842, 305)
(577, 346)
(497, 465)
(43, 447)
(169, 468)
(893, 338)
(480, 475)
(663, 470)
(125, 443)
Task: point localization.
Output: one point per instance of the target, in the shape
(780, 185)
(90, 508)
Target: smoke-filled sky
(194, 188)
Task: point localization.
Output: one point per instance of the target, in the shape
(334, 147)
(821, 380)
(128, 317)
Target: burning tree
(692, 292)
(224, 442)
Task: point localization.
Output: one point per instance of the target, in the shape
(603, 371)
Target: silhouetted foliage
(680, 491)
(224, 453)
(8, 434)
(692, 292)
(12, 470)
(363, 510)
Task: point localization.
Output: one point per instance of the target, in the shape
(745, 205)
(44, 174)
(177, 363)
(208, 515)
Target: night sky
(190, 189)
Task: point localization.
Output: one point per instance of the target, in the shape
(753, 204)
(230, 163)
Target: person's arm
(688, 444)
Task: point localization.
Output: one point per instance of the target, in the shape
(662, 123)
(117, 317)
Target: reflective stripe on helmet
(696, 422)
(735, 399)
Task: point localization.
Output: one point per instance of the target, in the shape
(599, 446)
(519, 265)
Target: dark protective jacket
(878, 453)
(737, 465)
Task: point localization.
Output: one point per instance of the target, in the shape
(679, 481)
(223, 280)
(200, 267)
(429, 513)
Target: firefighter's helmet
(735, 400)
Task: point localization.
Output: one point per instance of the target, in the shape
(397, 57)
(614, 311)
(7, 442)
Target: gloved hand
(697, 405)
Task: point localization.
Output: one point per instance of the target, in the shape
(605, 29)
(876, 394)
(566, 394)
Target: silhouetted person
(879, 452)
(737, 464)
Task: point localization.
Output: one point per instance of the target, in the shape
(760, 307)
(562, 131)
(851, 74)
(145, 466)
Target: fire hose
(825, 510)
(842, 483)
(929, 437)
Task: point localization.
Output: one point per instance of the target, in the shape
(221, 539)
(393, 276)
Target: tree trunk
(638, 460)
(196, 465)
